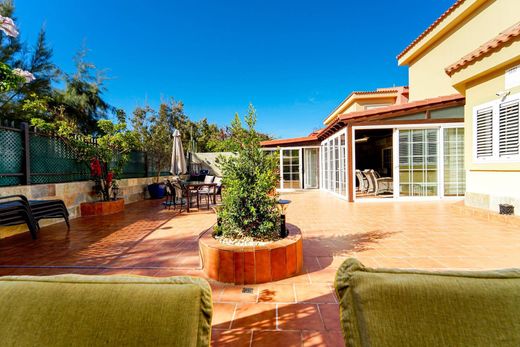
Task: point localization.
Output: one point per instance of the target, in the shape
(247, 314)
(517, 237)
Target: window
(497, 131)
(485, 133)
(454, 174)
(334, 164)
(508, 129)
(291, 168)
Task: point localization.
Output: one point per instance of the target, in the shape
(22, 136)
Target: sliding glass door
(418, 162)
(291, 169)
(454, 174)
(334, 164)
(310, 168)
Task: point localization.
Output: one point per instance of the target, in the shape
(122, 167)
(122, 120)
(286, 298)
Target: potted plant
(248, 230)
(154, 136)
(249, 209)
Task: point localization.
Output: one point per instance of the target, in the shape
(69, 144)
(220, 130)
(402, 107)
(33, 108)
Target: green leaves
(9, 81)
(153, 132)
(249, 205)
(113, 146)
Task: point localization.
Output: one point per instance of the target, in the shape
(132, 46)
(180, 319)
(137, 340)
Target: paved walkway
(148, 240)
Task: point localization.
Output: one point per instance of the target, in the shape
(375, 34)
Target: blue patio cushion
(385, 307)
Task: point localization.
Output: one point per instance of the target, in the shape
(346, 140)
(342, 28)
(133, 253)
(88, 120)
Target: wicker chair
(379, 185)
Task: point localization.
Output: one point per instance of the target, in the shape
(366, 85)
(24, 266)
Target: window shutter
(508, 135)
(484, 133)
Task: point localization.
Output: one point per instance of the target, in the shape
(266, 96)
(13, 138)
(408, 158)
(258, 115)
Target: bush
(249, 204)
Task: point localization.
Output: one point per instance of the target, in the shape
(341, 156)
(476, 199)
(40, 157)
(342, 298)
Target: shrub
(249, 207)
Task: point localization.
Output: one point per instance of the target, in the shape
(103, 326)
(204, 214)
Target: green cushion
(383, 307)
(76, 310)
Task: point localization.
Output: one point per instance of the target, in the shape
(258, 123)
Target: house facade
(419, 142)
(474, 49)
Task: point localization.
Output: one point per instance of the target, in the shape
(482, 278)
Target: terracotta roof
(310, 138)
(494, 44)
(431, 27)
(401, 90)
(402, 107)
(409, 106)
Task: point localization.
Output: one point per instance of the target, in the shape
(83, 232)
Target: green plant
(249, 202)
(106, 154)
(154, 136)
(8, 79)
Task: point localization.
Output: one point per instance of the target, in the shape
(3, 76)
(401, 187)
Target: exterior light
(503, 93)
(282, 205)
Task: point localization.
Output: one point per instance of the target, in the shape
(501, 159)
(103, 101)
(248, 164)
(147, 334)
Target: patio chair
(16, 212)
(210, 191)
(47, 209)
(379, 185)
(19, 205)
(182, 194)
(170, 195)
(363, 182)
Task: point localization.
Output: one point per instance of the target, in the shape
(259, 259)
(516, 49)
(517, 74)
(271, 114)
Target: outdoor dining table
(195, 185)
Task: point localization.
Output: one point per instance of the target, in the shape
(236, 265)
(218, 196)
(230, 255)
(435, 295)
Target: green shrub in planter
(249, 202)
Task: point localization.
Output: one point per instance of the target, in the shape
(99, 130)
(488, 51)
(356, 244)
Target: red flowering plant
(103, 179)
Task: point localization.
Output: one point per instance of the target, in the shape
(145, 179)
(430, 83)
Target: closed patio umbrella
(178, 159)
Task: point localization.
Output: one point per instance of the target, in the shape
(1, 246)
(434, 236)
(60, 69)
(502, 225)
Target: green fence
(29, 157)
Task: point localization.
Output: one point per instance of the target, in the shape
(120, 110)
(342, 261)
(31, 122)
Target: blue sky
(294, 60)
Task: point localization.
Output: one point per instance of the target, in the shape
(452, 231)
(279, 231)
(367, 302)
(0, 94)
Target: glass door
(310, 168)
(418, 162)
(291, 169)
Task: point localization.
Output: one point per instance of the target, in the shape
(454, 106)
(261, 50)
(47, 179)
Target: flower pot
(157, 190)
(238, 264)
(101, 208)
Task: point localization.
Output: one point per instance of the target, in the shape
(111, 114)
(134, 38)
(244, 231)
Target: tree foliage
(154, 135)
(249, 205)
(78, 98)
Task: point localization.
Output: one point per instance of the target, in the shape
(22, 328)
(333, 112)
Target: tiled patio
(148, 240)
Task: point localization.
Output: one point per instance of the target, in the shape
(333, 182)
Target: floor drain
(247, 290)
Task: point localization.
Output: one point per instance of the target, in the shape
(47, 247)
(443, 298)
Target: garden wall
(73, 194)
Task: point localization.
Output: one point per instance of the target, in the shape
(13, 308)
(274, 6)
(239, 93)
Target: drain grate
(247, 290)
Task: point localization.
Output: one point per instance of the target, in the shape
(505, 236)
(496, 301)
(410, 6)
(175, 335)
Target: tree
(10, 47)
(249, 207)
(154, 135)
(82, 98)
(42, 67)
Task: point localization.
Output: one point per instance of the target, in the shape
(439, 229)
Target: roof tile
(496, 43)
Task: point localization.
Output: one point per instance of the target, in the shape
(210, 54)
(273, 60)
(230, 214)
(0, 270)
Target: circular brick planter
(252, 264)
(101, 208)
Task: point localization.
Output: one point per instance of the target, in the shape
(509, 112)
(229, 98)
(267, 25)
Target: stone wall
(73, 194)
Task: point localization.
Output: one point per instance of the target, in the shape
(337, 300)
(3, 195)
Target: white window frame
(495, 106)
(328, 184)
(395, 159)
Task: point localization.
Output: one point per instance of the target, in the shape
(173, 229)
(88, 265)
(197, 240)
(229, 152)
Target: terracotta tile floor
(301, 311)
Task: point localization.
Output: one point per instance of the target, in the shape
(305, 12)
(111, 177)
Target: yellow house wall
(489, 184)
(357, 103)
(427, 78)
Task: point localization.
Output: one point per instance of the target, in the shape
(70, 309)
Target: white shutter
(484, 133)
(508, 135)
